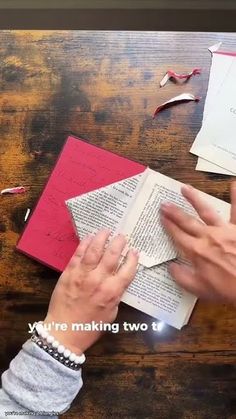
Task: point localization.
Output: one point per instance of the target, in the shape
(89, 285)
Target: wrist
(65, 339)
(55, 348)
(76, 341)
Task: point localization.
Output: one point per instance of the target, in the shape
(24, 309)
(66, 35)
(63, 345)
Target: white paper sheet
(221, 64)
(219, 69)
(216, 140)
(207, 166)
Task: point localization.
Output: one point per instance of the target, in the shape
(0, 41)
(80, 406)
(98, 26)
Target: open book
(132, 207)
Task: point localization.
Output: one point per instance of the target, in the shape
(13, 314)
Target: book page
(104, 207)
(154, 292)
(143, 226)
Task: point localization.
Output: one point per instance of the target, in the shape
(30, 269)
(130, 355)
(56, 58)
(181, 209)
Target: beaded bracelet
(50, 345)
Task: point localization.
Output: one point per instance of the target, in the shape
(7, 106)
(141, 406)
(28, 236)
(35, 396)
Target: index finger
(187, 223)
(204, 210)
(127, 271)
(182, 240)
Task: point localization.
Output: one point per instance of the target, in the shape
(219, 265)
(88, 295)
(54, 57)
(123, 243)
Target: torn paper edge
(215, 47)
(180, 98)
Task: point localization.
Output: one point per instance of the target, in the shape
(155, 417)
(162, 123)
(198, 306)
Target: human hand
(210, 247)
(90, 288)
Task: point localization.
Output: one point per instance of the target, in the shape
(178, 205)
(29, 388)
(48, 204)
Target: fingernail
(121, 235)
(164, 219)
(135, 252)
(166, 206)
(187, 187)
(106, 230)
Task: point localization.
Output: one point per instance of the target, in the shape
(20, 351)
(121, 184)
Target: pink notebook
(49, 235)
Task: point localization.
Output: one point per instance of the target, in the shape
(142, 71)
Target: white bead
(55, 344)
(72, 357)
(44, 334)
(50, 339)
(80, 359)
(60, 349)
(67, 353)
(39, 328)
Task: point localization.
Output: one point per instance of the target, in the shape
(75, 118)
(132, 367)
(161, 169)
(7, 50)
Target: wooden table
(104, 86)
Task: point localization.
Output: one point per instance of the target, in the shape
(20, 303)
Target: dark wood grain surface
(104, 86)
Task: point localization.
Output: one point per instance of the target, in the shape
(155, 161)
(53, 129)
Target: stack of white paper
(215, 143)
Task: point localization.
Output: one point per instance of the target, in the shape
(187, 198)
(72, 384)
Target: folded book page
(143, 226)
(105, 207)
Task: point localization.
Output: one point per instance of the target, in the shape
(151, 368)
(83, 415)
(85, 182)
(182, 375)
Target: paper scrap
(36, 153)
(16, 190)
(215, 47)
(176, 76)
(27, 214)
(184, 97)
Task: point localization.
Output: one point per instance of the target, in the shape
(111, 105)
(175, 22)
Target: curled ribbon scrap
(173, 75)
(184, 97)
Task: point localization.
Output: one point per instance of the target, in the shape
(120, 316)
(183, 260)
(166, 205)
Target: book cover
(49, 236)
